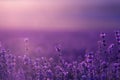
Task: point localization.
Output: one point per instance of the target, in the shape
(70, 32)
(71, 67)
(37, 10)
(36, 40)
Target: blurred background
(74, 24)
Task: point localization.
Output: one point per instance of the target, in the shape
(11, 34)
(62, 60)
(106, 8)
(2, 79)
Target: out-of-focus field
(44, 43)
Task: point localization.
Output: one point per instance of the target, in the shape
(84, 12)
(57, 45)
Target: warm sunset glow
(53, 15)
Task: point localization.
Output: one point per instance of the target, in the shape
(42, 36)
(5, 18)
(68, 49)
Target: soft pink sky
(58, 14)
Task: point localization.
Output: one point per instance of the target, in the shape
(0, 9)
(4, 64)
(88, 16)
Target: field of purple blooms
(104, 64)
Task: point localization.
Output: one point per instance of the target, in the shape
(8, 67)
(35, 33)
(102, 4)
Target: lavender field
(59, 39)
(60, 55)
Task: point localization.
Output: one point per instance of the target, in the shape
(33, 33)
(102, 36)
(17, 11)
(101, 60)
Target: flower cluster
(104, 64)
